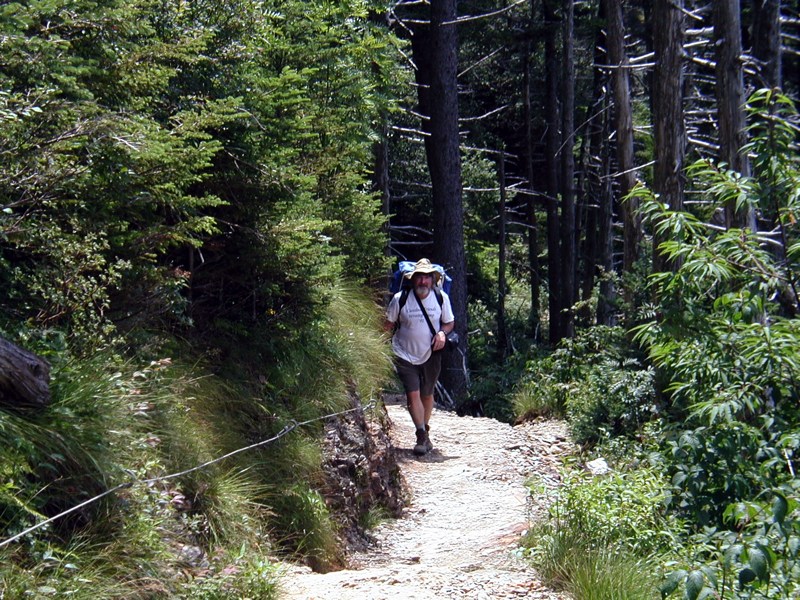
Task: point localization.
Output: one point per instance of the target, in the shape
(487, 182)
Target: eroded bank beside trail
(466, 507)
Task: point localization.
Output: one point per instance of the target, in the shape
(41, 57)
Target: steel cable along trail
(291, 426)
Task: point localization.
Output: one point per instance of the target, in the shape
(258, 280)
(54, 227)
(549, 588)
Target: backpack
(399, 283)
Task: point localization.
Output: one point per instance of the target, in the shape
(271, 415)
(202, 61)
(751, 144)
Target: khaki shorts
(422, 377)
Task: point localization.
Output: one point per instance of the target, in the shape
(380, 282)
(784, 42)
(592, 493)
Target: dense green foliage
(185, 186)
(721, 336)
(601, 535)
(148, 148)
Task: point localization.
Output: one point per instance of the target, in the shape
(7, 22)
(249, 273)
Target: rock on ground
(467, 508)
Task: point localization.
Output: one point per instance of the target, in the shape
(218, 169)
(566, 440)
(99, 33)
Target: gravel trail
(468, 507)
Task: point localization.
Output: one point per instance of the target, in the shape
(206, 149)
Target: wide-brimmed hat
(425, 266)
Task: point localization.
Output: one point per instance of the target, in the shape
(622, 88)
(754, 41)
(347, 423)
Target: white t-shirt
(413, 338)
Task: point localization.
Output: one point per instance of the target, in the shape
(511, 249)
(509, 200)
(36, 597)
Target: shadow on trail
(434, 456)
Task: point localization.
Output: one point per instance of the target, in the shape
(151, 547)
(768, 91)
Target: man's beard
(422, 289)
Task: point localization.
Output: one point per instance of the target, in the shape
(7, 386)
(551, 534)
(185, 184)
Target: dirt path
(468, 508)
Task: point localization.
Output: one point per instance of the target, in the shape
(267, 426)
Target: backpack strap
(425, 314)
(402, 301)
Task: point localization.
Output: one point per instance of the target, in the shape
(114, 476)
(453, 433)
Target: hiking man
(423, 317)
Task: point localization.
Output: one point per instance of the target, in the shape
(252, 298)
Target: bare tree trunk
(608, 294)
(618, 58)
(585, 229)
(668, 117)
(600, 256)
(24, 378)
(568, 223)
(594, 178)
(730, 100)
(502, 333)
(533, 225)
(444, 162)
(553, 143)
(767, 52)
(588, 256)
(767, 41)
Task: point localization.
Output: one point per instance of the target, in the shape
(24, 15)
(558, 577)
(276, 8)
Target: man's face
(423, 283)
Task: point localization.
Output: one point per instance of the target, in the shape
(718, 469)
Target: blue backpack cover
(399, 282)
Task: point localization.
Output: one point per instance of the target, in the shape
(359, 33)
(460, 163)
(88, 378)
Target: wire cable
(285, 431)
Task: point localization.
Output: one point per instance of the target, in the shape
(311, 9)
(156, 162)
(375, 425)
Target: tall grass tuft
(307, 528)
(589, 569)
(111, 424)
(528, 402)
(339, 359)
(56, 458)
(358, 350)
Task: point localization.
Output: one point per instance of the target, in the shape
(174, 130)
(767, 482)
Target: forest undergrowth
(692, 404)
(171, 529)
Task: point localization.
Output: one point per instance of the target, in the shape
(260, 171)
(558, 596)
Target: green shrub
(247, 576)
(621, 507)
(612, 399)
(608, 574)
(306, 526)
(534, 398)
(756, 554)
(66, 453)
(588, 568)
(322, 368)
(596, 380)
(602, 534)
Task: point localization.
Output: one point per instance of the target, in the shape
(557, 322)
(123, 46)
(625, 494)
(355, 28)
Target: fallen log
(24, 378)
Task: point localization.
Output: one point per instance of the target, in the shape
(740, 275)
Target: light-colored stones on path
(468, 506)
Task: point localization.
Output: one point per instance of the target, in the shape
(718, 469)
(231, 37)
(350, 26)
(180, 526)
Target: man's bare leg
(416, 409)
(427, 407)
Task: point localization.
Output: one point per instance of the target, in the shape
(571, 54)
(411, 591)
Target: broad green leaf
(780, 506)
(694, 585)
(671, 582)
(794, 545)
(732, 554)
(759, 563)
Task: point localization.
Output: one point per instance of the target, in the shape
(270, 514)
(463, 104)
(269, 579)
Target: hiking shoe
(428, 443)
(421, 447)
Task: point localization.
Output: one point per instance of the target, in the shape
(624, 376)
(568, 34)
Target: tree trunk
(502, 334)
(553, 143)
(600, 256)
(730, 100)
(767, 41)
(568, 222)
(533, 225)
(668, 117)
(24, 378)
(608, 293)
(623, 117)
(594, 175)
(767, 52)
(435, 54)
